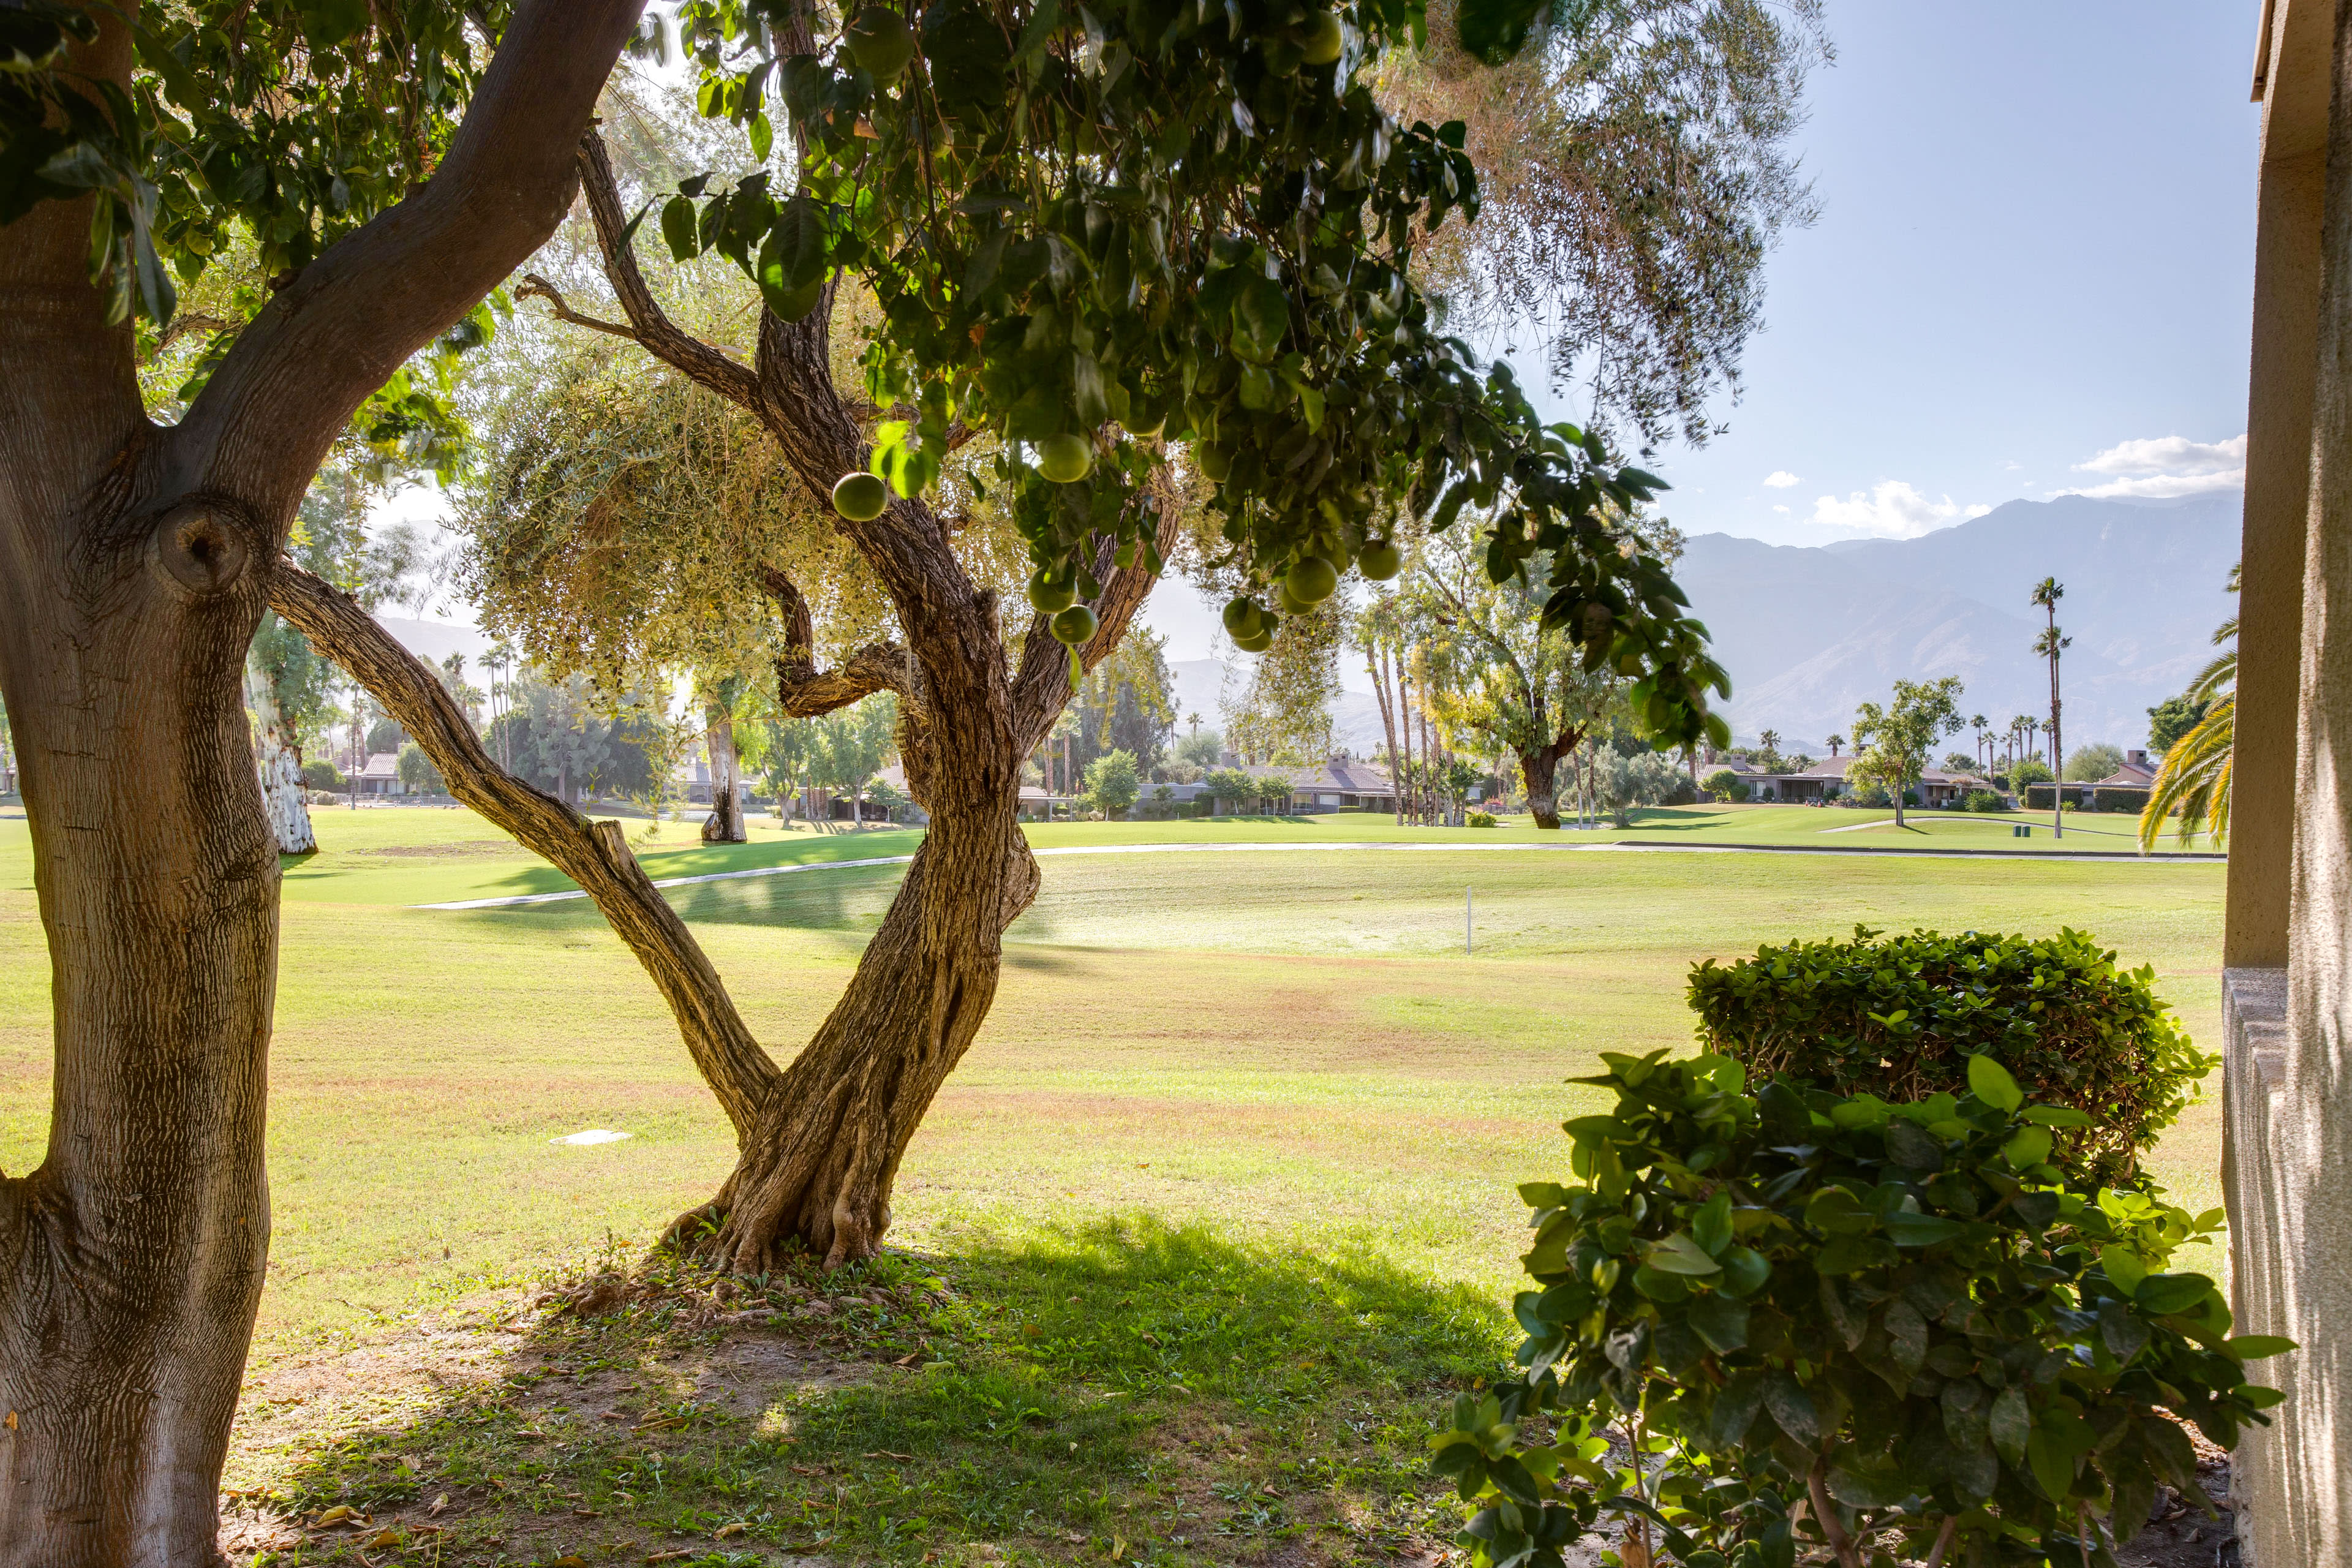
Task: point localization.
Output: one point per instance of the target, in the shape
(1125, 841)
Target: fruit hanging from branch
(860, 498)
(1188, 217)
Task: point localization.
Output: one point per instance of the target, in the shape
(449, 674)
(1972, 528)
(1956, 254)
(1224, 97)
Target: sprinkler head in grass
(860, 498)
(881, 41)
(1049, 594)
(1065, 460)
(1074, 626)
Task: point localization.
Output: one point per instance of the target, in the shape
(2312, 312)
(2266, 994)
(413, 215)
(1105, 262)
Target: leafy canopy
(1179, 219)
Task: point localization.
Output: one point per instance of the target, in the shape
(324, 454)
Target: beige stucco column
(2287, 1013)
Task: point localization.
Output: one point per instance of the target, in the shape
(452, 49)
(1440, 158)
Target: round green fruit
(1243, 618)
(1215, 462)
(1323, 40)
(881, 41)
(860, 498)
(1290, 602)
(1258, 642)
(1050, 595)
(1074, 626)
(1310, 580)
(1379, 560)
(1066, 458)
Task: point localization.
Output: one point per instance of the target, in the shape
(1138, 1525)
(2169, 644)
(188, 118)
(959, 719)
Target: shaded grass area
(1121, 1389)
(1265, 1085)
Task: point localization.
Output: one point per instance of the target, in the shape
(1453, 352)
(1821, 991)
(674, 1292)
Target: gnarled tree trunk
(1539, 766)
(133, 561)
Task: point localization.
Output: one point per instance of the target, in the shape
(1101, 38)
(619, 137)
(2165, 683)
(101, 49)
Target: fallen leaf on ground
(341, 1513)
(668, 1556)
(388, 1536)
(724, 1530)
(440, 1504)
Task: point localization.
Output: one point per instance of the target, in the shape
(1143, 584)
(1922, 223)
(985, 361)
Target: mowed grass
(1286, 1042)
(1225, 1188)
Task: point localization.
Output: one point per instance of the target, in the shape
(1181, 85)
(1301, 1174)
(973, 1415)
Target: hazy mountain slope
(1808, 633)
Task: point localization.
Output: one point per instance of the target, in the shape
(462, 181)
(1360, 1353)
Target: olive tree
(394, 163)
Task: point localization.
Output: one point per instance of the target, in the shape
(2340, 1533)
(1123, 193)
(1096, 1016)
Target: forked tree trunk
(818, 1169)
(1539, 766)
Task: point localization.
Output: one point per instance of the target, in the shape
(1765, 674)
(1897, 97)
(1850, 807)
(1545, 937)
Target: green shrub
(1902, 1317)
(1983, 800)
(320, 773)
(1898, 1018)
(1482, 819)
(2119, 798)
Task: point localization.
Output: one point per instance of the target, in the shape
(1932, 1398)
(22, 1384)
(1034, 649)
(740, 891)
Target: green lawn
(1277, 1070)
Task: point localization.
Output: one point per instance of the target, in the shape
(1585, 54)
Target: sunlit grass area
(1284, 1058)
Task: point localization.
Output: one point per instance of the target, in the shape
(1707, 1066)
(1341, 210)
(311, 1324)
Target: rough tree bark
(725, 825)
(133, 564)
(816, 1169)
(278, 764)
(1539, 766)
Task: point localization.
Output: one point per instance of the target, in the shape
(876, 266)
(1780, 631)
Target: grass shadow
(1126, 1389)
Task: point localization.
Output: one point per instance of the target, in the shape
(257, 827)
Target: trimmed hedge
(1902, 1314)
(1899, 1016)
(2119, 798)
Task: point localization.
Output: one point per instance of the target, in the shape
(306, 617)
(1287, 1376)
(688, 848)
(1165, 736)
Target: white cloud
(1779, 479)
(1780, 509)
(1893, 510)
(2164, 465)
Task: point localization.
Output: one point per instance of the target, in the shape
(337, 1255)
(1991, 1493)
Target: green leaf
(2056, 1116)
(1678, 1254)
(2161, 1295)
(2124, 1268)
(326, 23)
(799, 237)
(2256, 1347)
(2031, 1147)
(763, 137)
(2052, 1463)
(1920, 1229)
(1745, 1271)
(1720, 1321)
(1991, 1082)
(1792, 1407)
(2008, 1424)
(1711, 1227)
(678, 228)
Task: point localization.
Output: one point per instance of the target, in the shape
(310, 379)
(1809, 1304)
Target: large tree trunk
(133, 561)
(130, 1261)
(817, 1171)
(725, 823)
(1540, 768)
(277, 762)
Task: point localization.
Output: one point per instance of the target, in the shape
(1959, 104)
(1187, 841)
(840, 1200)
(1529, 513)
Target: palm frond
(2194, 779)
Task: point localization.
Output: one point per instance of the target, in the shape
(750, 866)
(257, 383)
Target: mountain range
(1808, 632)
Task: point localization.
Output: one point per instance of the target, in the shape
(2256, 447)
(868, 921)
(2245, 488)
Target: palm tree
(1835, 742)
(1770, 740)
(1983, 740)
(2194, 777)
(1193, 720)
(2050, 645)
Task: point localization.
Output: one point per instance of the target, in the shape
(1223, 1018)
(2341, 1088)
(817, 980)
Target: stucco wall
(2289, 1268)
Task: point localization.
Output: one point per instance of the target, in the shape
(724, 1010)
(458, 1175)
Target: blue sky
(2035, 248)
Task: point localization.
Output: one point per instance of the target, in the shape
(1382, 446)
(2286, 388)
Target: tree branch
(536, 287)
(591, 854)
(650, 326)
(805, 691)
(268, 416)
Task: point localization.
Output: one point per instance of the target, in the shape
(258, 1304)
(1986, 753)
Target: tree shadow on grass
(1119, 1388)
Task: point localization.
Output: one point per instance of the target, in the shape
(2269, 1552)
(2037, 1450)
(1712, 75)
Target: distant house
(1337, 784)
(2137, 775)
(382, 775)
(1826, 778)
